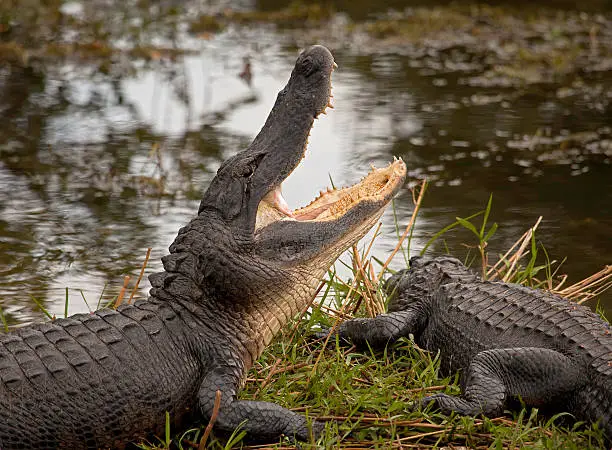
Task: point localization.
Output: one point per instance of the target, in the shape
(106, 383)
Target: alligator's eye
(244, 171)
(247, 171)
(308, 66)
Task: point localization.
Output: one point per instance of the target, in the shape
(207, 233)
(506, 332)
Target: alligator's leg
(380, 330)
(262, 420)
(536, 375)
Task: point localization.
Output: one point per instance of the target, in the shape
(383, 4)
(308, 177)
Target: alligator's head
(253, 252)
(424, 277)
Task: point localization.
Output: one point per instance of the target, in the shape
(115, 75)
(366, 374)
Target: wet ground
(109, 137)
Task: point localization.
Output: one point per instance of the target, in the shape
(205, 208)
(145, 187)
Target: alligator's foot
(260, 420)
(326, 333)
(305, 432)
(536, 375)
(308, 434)
(375, 332)
(266, 421)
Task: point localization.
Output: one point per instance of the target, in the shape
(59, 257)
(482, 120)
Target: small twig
(490, 274)
(144, 265)
(253, 380)
(589, 282)
(602, 288)
(335, 312)
(367, 252)
(268, 377)
(359, 274)
(426, 388)
(422, 435)
(289, 368)
(349, 350)
(519, 253)
(560, 283)
(126, 281)
(213, 418)
(189, 443)
(373, 276)
(372, 305)
(277, 371)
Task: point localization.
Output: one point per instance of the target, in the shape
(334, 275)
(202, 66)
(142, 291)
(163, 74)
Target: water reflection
(95, 170)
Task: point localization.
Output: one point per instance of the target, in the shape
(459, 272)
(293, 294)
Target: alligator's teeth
(329, 105)
(335, 65)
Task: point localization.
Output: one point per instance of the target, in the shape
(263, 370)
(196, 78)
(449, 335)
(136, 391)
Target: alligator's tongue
(276, 199)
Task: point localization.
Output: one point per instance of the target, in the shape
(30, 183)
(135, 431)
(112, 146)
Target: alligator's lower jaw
(379, 185)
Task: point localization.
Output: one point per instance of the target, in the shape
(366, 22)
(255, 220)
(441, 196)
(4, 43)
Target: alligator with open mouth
(235, 275)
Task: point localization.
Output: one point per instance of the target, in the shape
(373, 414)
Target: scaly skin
(509, 340)
(235, 275)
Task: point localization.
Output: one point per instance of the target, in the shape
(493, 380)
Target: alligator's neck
(274, 311)
(248, 326)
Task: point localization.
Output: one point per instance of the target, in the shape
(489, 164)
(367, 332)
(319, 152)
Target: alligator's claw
(308, 434)
(321, 334)
(428, 401)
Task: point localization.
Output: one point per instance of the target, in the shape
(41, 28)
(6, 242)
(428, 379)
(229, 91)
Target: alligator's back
(94, 380)
(481, 315)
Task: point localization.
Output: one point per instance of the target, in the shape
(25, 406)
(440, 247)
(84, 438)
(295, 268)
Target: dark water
(83, 157)
(363, 9)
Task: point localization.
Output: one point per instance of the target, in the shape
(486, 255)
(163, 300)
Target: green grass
(366, 400)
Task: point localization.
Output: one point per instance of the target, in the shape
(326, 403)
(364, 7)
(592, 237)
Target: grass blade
(445, 230)
(4, 322)
(66, 304)
(42, 307)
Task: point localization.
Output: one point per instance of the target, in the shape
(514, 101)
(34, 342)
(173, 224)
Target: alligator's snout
(315, 66)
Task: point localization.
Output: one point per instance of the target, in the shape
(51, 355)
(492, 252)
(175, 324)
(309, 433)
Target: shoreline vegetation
(366, 398)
